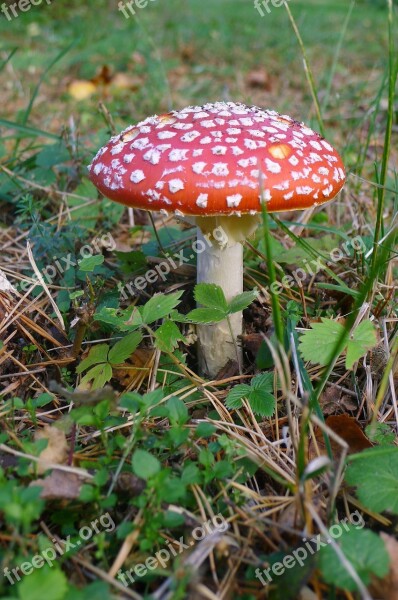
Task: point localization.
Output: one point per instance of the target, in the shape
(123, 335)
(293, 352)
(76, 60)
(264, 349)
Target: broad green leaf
(99, 375)
(177, 410)
(362, 339)
(124, 348)
(206, 315)
(364, 549)
(211, 295)
(235, 396)
(242, 301)
(167, 336)
(261, 402)
(375, 474)
(159, 306)
(318, 343)
(90, 262)
(44, 583)
(124, 320)
(98, 354)
(263, 381)
(145, 465)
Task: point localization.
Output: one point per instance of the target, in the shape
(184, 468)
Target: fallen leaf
(59, 485)
(345, 427)
(333, 401)
(259, 78)
(81, 90)
(57, 447)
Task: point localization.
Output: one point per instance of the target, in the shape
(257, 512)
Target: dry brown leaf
(59, 485)
(123, 81)
(345, 427)
(333, 401)
(259, 78)
(387, 588)
(57, 447)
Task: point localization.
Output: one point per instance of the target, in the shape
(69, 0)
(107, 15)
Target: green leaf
(97, 354)
(235, 396)
(318, 343)
(167, 336)
(380, 433)
(145, 465)
(206, 315)
(99, 375)
(374, 472)
(211, 295)
(264, 381)
(242, 301)
(159, 306)
(177, 410)
(262, 402)
(44, 583)
(365, 551)
(90, 262)
(124, 348)
(362, 339)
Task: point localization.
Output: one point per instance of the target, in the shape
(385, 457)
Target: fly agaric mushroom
(205, 164)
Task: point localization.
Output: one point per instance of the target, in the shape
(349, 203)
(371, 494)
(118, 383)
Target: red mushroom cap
(206, 160)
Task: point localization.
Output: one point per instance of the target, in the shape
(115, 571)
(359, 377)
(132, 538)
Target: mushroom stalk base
(223, 266)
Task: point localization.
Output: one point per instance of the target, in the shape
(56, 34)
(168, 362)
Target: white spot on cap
(127, 158)
(305, 190)
(201, 115)
(153, 156)
(323, 170)
(246, 121)
(293, 160)
(197, 152)
(177, 155)
(190, 136)
(118, 148)
(208, 123)
(234, 200)
(145, 129)
(231, 140)
(159, 185)
(219, 150)
(253, 144)
(140, 143)
(198, 167)
(282, 186)
(234, 131)
(327, 191)
(201, 200)
(98, 168)
(316, 178)
(327, 145)
(220, 169)
(236, 151)
(256, 133)
(137, 176)
(164, 135)
(272, 166)
(315, 145)
(183, 126)
(288, 196)
(175, 185)
(246, 162)
(266, 195)
(206, 140)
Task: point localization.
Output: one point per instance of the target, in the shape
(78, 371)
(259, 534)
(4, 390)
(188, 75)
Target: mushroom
(205, 164)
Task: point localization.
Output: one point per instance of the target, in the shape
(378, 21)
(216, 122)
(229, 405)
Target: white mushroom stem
(219, 342)
(221, 262)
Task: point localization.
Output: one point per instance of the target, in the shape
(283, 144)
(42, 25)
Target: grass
(104, 384)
